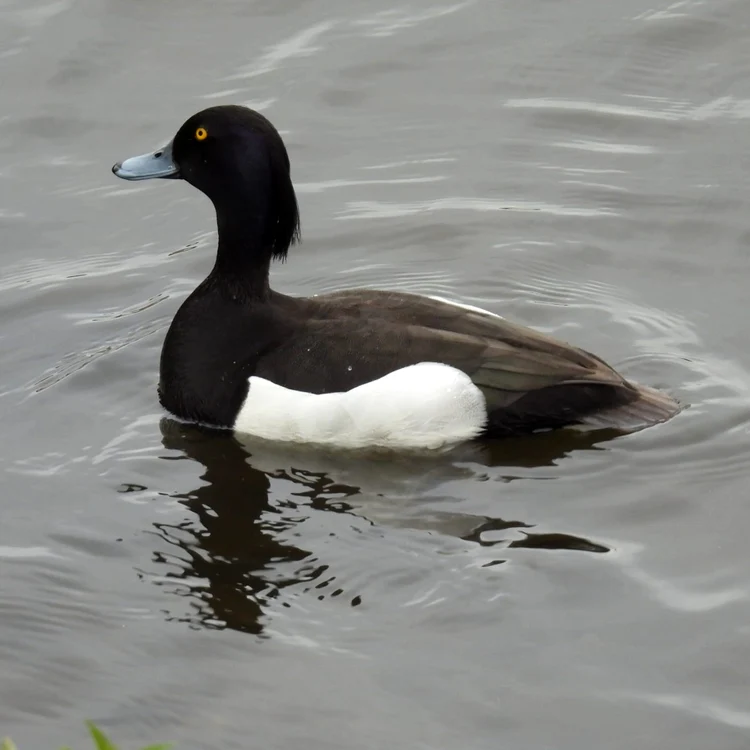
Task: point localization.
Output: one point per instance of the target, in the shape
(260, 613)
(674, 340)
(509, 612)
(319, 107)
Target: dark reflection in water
(223, 556)
(228, 557)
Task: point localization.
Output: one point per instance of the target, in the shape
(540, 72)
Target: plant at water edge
(101, 741)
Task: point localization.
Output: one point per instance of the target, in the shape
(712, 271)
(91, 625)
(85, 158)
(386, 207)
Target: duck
(354, 368)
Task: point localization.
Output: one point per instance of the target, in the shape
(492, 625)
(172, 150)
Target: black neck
(243, 256)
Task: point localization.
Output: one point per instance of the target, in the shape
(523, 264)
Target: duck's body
(340, 368)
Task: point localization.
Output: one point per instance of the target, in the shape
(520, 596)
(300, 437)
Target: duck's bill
(148, 166)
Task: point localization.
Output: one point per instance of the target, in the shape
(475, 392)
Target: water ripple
(319, 187)
(671, 111)
(388, 22)
(74, 362)
(385, 210)
(301, 44)
(709, 708)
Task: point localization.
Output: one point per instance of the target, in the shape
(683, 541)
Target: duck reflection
(243, 544)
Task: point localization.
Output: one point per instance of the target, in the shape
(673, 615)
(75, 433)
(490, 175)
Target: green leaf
(100, 739)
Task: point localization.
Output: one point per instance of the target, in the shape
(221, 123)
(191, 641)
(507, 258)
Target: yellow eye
(201, 134)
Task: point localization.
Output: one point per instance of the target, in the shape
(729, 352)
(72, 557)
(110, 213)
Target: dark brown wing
(537, 353)
(347, 342)
(405, 308)
(530, 380)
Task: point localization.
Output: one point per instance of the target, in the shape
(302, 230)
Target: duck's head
(237, 158)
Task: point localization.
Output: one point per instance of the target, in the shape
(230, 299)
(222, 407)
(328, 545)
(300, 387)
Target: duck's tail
(649, 407)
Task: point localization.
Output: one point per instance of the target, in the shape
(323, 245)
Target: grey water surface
(582, 167)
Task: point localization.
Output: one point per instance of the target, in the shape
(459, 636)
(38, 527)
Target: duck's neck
(243, 256)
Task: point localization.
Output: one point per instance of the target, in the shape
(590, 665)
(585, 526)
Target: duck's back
(530, 381)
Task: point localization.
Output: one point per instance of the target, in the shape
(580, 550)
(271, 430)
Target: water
(580, 167)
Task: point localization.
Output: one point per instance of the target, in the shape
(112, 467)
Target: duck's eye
(201, 134)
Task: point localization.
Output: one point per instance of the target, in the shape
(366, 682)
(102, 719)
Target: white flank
(424, 406)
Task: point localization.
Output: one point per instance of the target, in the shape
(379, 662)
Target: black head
(237, 158)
